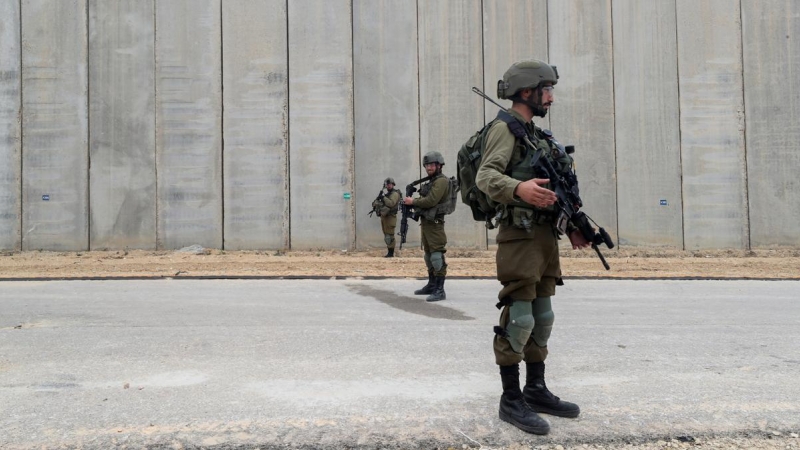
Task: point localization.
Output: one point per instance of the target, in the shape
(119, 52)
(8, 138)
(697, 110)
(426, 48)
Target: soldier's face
(430, 168)
(389, 186)
(548, 96)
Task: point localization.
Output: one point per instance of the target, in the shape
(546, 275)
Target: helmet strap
(536, 105)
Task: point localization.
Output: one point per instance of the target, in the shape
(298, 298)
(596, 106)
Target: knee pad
(544, 318)
(437, 261)
(388, 238)
(427, 258)
(520, 324)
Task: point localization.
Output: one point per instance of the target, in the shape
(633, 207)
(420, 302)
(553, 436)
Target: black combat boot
(389, 254)
(513, 408)
(428, 288)
(540, 398)
(438, 290)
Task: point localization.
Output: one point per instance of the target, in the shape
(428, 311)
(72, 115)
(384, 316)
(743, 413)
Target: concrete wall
(647, 128)
(712, 124)
(255, 124)
(321, 124)
(122, 113)
(771, 37)
(10, 127)
(55, 125)
(189, 123)
(271, 124)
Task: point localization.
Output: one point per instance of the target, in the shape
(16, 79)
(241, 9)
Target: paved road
(353, 363)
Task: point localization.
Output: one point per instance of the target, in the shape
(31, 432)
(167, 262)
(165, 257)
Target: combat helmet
(526, 74)
(389, 180)
(433, 157)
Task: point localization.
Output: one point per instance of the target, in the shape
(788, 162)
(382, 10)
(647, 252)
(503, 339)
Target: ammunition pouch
(526, 218)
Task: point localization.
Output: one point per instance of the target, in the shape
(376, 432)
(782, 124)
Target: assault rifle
(408, 210)
(565, 186)
(377, 199)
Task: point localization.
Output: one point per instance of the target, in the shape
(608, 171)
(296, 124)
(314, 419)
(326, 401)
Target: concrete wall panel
(712, 124)
(386, 108)
(321, 124)
(647, 123)
(583, 111)
(255, 81)
(450, 64)
(122, 145)
(188, 123)
(771, 36)
(54, 125)
(512, 31)
(10, 127)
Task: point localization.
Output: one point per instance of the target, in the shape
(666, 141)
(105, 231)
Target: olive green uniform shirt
(438, 194)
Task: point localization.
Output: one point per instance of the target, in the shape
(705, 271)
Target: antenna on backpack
(486, 97)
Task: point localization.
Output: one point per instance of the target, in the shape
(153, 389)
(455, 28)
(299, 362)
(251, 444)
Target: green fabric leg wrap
(520, 324)
(543, 317)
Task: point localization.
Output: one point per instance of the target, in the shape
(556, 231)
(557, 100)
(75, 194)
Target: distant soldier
(385, 206)
(433, 204)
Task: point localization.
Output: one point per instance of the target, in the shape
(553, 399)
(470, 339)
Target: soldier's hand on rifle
(578, 240)
(408, 201)
(533, 193)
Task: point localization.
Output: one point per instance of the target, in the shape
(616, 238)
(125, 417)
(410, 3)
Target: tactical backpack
(469, 160)
(447, 206)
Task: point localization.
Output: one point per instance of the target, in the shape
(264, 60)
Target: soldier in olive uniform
(527, 246)
(432, 203)
(386, 208)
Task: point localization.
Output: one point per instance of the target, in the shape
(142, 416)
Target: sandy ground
(199, 262)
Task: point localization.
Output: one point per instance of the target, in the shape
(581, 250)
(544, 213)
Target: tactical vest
(521, 214)
(442, 208)
(385, 210)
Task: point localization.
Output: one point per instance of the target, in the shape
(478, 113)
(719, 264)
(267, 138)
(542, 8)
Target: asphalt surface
(365, 364)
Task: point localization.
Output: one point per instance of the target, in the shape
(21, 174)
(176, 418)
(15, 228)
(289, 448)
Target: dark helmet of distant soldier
(388, 180)
(433, 157)
(526, 74)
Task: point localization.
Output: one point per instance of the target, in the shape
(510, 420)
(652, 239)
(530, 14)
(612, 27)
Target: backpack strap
(517, 128)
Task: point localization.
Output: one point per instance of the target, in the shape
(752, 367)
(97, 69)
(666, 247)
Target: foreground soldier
(386, 208)
(432, 206)
(527, 247)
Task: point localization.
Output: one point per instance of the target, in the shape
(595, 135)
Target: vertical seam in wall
(680, 134)
(21, 134)
(88, 137)
(222, 123)
(287, 185)
(352, 167)
(547, 30)
(155, 114)
(549, 120)
(419, 100)
(748, 238)
(614, 110)
(483, 85)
